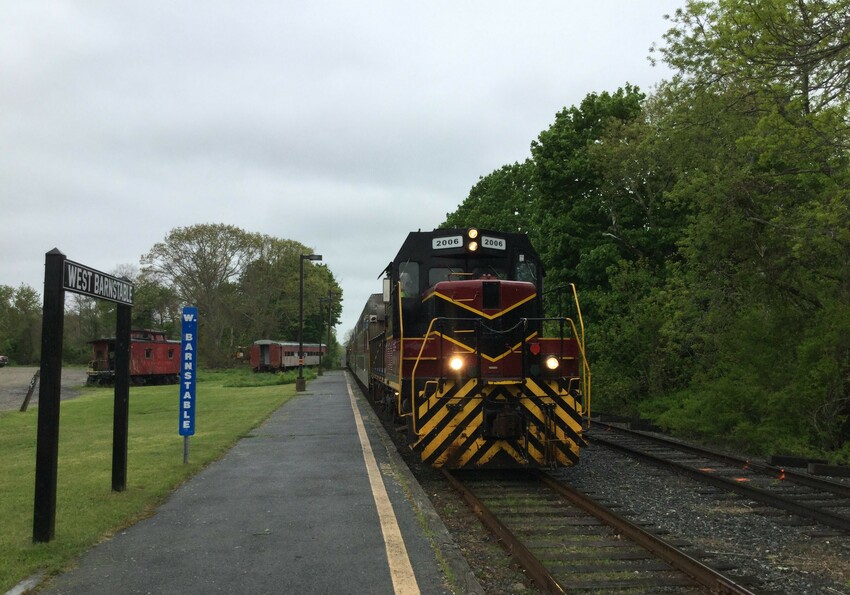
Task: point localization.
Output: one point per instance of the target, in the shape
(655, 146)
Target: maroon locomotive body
(154, 359)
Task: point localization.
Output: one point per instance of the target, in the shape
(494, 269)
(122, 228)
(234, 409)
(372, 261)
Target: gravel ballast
(783, 554)
(777, 553)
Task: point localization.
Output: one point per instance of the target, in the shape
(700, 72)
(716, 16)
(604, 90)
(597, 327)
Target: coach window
(171, 354)
(148, 353)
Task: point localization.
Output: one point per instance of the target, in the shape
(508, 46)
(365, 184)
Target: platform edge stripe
(401, 571)
(442, 542)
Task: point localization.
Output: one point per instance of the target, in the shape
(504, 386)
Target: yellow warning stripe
(401, 572)
(469, 349)
(479, 312)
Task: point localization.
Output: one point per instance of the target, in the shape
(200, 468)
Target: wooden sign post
(61, 275)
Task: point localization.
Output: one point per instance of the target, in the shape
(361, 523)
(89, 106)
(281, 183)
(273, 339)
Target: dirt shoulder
(15, 381)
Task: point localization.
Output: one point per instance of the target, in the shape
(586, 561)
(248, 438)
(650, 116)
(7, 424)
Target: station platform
(315, 500)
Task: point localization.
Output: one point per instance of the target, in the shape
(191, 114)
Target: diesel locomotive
(458, 347)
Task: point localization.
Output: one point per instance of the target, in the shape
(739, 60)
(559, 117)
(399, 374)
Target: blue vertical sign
(188, 370)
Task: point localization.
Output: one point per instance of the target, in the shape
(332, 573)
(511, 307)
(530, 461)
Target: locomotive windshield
(408, 276)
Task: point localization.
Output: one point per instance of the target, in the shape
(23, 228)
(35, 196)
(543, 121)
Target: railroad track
(566, 542)
(814, 498)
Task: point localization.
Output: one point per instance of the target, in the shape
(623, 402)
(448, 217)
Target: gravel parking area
(15, 381)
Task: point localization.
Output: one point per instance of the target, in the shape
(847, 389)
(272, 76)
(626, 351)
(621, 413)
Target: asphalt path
(15, 382)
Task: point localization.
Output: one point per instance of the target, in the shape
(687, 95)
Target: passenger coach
(278, 356)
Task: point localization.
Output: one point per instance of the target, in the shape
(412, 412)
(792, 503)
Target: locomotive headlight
(473, 233)
(472, 246)
(456, 363)
(552, 362)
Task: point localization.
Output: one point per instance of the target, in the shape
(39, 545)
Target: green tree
(269, 294)
(795, 51)
(574, 226)
(6, 296)
(758, 125)
(85, 319)
(202, 264)
(156, 306)
(504, 200)
(20, 324)
(245, 285)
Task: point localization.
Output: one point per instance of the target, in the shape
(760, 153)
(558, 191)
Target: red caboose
(154, 359)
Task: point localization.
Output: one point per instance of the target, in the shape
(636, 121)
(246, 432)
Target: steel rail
(759, 495)
(529, 562)
(805, 479)
(702, 574)
(697, 572)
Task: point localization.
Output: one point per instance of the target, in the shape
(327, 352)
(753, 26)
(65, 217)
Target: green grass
(87, 511)
(243, 377)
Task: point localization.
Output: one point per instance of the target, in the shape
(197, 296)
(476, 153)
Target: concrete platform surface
(299, 506)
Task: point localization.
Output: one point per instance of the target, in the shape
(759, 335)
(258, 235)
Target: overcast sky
(342, 125)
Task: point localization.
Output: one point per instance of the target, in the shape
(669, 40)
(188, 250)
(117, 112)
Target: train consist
(458, 347)
(278, 356)
(154, 359)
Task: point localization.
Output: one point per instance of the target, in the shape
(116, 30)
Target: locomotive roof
(420, 244)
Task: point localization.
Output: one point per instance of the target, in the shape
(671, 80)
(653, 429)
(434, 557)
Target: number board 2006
(447, 242)
(494, 243)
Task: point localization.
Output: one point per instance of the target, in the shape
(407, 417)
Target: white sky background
(341, 125)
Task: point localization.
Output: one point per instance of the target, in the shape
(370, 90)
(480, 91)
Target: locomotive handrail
(586, 365)
(578, 310)
(481, 324)
(413, 378)
(400, 342)
(581, 340)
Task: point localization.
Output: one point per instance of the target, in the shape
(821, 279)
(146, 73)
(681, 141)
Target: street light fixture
(329, 300)
(300, 384)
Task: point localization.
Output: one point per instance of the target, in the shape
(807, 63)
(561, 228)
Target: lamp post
(322, 300)
(329, 300)
(300, 385)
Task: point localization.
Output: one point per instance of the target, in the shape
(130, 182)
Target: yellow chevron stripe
(438, 442)
(479, 312)
(501, 445)
(435, 398)
(560, 411)
(484, 355)
(535, 389)
(467, 455)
